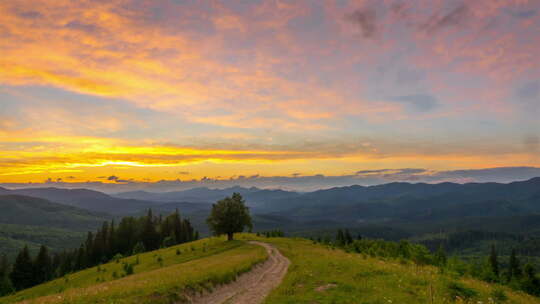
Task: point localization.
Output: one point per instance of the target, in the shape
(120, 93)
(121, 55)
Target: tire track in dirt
(253, 286)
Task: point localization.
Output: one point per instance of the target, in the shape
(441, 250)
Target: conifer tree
(56, 261)
(440, 256)
(139, 248)
(340, 238)
(4, 265)
(514, 271)
(530, 282)
(80, 260)
(177, 226)
(42, 266)
(149, 235)
(88, 246)
(5, 283)
(347, 236)
(112, 240)
(22, 274)
(493, 261)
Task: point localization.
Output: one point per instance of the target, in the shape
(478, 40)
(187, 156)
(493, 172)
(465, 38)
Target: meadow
(161, 276)
(320, 274)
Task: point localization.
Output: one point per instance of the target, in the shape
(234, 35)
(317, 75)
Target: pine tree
(177, 226)
(514, 271)
(149, 235)
(127, 235)
(80, 261)
(88, 247)
(56, 261)
(4, 265)
(340, 238)
(105, 242)
(440, 256)
(530, 282)
(139, 248)
(42, 266)
(347, 236)
(112, 240)
(493, 261)
(22, 275)
(5, 283)
(66, 264)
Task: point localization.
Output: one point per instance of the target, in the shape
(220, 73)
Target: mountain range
(394, 210)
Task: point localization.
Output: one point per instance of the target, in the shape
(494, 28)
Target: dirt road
(253, 286)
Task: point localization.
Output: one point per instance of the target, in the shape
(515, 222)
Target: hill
(85, 199)
(160, 276)
(317, 274)
(320, 274)
(26, 210)
(33, 221)
(254, 196)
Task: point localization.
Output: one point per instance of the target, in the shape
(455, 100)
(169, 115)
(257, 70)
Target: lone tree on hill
(229, 215)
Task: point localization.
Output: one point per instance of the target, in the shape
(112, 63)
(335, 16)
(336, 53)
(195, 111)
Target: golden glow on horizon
(164, 90)
(86, 159)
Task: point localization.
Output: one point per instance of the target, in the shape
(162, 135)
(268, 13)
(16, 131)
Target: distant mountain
(86, 199)
(25, 210)
(254, 196)
(389, 205)
(34, 221)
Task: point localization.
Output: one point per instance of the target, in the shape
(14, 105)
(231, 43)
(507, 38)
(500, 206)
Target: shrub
(498, 295)
(459, 291)
(117, 257)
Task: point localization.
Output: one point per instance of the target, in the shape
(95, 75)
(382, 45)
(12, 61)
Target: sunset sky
(122, 91)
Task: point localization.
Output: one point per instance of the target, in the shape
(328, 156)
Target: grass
(161, 276)
(319, 274)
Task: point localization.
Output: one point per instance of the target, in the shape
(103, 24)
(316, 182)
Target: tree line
(512, 273)
(131, 236)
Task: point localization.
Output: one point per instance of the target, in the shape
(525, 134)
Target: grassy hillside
(160, 276)
(319, 274)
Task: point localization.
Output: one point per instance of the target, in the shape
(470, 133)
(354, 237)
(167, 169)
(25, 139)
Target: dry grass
(363, 280)
(201, 265)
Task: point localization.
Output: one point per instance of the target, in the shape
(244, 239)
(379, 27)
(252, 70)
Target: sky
(299, 94)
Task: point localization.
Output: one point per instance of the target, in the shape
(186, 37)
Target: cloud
(362, 172)
(522, 13)
(112, 178)
(418, 103)
(529, 91)
(85, 27)
(308, 182)
(453, 18)
(532, 143)
(366, 19)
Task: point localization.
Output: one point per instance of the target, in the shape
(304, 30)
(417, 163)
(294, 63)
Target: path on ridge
(253, 286)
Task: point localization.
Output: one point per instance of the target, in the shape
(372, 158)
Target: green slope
(160, 276)
(317, 274)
